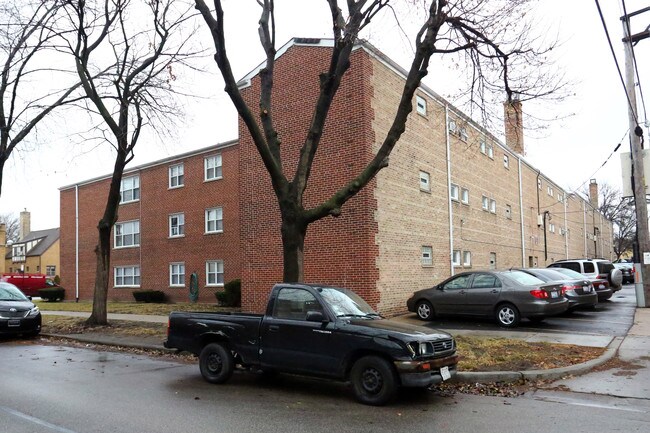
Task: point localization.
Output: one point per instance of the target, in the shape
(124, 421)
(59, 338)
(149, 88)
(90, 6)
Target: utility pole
(638, 178)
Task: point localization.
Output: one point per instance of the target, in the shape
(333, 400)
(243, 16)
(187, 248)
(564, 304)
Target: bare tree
(480, 28)
(620, 211)
(12, 227)
(132, 91)
(27, 34)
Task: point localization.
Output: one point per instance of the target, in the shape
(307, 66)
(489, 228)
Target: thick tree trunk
(293, 245)
(99, 314)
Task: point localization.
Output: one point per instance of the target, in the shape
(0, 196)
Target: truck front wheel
(374, 381)
(216, 363)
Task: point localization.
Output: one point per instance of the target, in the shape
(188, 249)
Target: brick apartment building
(452, 198)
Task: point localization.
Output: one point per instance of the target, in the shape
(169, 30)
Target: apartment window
(127, 234)
(453, 192)
(485, 203)
(212, 165)
(560, 198)
(427, 256)
(493, 206)
(214, 220)
(463, 133)
(214, 273)
(551, 228)
(539, 183)
(50, 271)
(464, 195)
(425, 181)
(176, 225)
(421, 105)
(483, 147)
(490, 151)
(467, 258)
(549, 190)
(452, 126)
(126, 276)
(455, 258)
(177, 274)
(130, 189)
(176, 176)
(506, 161)
(508, 211)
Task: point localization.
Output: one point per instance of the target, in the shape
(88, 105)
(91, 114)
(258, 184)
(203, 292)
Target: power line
(618, 68)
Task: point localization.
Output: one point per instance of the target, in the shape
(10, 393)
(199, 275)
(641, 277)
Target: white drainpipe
(521, 217)
(451, 216)
(76, 236)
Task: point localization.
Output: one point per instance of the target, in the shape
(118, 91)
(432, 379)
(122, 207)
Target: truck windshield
(345, 302)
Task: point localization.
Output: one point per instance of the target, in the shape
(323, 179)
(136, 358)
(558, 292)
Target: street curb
(110, 342)
(553, 373)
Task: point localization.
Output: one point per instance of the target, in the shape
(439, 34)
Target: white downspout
(521, 218)
(76, 237)
(584, 225)
(566, 229)
(449, 204)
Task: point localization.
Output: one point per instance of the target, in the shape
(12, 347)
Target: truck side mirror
(315, 316)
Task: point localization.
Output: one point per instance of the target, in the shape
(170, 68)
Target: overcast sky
(569, 151)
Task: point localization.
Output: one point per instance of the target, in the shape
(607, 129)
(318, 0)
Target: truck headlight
(425, 349)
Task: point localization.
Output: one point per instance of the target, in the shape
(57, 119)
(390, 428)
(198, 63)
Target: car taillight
(602, 277)
(539, 294)
(567, 287)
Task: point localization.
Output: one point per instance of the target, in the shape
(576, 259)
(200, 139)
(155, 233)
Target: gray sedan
(578, 290)
(506, 296)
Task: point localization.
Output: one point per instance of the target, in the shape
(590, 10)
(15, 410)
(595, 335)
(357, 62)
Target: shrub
(57, 280)
(52, 294)
(231, 295)
(149, 296)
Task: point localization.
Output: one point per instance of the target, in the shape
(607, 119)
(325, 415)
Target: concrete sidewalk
(633, 349)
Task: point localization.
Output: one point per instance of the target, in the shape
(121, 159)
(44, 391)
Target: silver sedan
(507, 296)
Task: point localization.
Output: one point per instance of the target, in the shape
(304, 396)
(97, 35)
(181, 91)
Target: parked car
(577, 289)
(18, 315)
(321, 331)
(601, 286)
(627, 269)
(507, 296)
(594, 268)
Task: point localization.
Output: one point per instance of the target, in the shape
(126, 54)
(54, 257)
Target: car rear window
(574, 266)
(569, 273)
(550, 274)
(605, 267)
(589, 267)
(523, 278)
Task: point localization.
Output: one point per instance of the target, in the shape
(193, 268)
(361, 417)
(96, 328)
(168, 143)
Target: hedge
(52, 294)
(231, 295)
(149, 296)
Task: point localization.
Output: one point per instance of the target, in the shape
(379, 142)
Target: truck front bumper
(426, 373)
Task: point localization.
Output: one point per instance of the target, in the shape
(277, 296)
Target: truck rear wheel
(216, 363)
(374, 381)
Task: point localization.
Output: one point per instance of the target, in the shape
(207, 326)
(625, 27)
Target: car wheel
(507, 315)
(216, 363)
(373, 380)
(424, 310)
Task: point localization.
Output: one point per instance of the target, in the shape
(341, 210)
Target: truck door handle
(274, 328)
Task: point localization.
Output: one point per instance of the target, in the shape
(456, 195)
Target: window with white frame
(549, 190)
(214, 273)
(176, 175)
(421, 105)
(551, 228)
(127, 234)
(427, 256)
(130, 189)
(177, 274)
(464, 195)
(214, 220)
(467, 258)
(455, 258)
(425, 181)
(485, 203)
(462, 131)
(176, 225)
(506, 161)
(508, 211)
(453, 128)
(212, 166)
(50, 270)
(560, 198)
(539, 183)
(454, 191)
(483, 147)
(490, 151)
(493, 205)
(126, 276)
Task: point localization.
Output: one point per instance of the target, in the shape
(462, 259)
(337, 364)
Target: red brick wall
(157, 250)
(338, 251)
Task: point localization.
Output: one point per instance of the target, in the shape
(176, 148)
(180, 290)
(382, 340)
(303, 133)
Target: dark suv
(594, 269)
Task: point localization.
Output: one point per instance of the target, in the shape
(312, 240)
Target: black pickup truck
(321, 331)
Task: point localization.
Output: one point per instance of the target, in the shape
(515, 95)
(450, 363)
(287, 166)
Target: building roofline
(163, 161)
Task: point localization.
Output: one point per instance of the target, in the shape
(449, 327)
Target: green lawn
(130, 307)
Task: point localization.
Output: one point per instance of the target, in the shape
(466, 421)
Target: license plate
(554, 295)
(14, 323)
(444, 372)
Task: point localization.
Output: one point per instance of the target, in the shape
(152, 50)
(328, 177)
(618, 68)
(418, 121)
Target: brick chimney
(514, 124)
(593, 193)
(25, 224)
